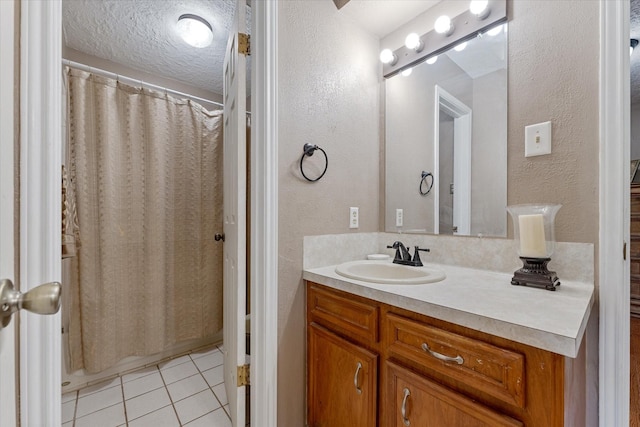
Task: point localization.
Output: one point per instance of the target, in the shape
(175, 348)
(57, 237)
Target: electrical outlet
(353, 218)
(537, 139)
(399, 217)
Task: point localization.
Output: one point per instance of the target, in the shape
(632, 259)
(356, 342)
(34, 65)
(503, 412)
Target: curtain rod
(115, 76)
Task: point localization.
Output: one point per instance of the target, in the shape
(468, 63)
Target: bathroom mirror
(448, 118)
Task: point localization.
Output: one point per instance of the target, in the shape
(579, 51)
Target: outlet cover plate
(354, 219)
(537, 139)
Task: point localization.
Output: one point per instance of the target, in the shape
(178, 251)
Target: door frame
(40, 195)
(613, 278)
(41, 139)
(462, 125)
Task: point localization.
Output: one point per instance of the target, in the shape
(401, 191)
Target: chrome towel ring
(308, 150)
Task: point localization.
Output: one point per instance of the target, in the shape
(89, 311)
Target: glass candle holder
(533, 226)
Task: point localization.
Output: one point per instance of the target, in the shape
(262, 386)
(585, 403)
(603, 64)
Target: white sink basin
(389, 273)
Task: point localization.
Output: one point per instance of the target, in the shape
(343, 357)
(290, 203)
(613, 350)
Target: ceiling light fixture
(407, 72)
(195, 30)
(480, 8)
(634, 43)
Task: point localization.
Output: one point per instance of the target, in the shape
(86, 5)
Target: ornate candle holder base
(534, 273)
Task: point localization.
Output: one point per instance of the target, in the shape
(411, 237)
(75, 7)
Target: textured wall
(635, 131)
(329, 96)
(553, 75)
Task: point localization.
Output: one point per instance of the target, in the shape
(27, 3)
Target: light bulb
(460, 47)
(495, 31)
(414, 42)
(432, 60)
(480, 8)
(388, 57)
(195, 30)
(407, 72)
(443, 25)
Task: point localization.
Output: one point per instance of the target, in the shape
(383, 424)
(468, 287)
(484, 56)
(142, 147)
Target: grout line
(175, 411)
(124, 405)
(75, 409)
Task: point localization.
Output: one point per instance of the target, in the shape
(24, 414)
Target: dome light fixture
(443, 25)
(495, 31)
(194, 30)
(480, 8)
(634, 43)
(407, 72)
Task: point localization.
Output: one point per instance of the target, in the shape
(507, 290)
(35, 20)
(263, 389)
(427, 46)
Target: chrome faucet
(404, 257)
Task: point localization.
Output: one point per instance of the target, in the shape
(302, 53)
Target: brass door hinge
(244, 44)
(243, 375)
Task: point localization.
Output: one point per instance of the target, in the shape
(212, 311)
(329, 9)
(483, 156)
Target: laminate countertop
(485, 301)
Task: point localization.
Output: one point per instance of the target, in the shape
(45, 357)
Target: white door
(7, 256)
(39, 235)
(235, 177)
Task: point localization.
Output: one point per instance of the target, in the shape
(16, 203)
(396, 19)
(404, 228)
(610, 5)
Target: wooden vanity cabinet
(454, 376)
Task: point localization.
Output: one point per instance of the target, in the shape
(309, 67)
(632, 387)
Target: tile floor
(186, 391)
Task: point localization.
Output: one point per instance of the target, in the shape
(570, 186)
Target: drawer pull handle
(403, 410)
(458, 359)
(355, 379)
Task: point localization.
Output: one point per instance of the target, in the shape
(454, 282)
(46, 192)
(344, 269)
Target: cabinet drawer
(416, 401)
(483, 367)
(342, 314)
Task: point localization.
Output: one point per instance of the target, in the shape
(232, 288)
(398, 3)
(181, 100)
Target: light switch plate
(537, 139)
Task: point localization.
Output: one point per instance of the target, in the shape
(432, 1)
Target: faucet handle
(416, 256)
(398, 256)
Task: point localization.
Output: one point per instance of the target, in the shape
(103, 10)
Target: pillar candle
(532, 241)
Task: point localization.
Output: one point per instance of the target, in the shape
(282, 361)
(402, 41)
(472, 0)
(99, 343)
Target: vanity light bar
(466, 26)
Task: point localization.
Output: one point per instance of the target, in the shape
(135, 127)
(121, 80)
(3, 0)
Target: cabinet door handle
(458, 359)
(403, 410)
(356, 377)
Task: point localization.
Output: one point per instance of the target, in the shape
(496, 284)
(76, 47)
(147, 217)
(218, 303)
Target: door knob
(44, 299)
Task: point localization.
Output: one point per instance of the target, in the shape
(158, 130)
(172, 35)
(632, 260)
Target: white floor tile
(113, 382)
(187, 387)
(217, 418)
(214, 376)
(112, 416)
(147, 403)
(99, 400)
(195, 406)
(221, 393)
(142, 385)
(204, 352)
(209, 361)
(177, 373)
(67, 397)
(68, 411)
(174, 362)
(165, 417)
(139, 373)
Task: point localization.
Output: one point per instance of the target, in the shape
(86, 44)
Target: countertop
(485, 301)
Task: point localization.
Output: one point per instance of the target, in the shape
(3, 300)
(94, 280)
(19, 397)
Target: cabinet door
(417, 401)
(342, 381)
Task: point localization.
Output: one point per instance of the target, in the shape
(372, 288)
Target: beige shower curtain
(146, 171)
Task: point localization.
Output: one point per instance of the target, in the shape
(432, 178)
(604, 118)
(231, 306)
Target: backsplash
(571, 261)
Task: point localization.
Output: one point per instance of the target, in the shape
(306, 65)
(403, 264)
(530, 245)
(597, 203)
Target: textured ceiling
(635, 57)
(141, 35)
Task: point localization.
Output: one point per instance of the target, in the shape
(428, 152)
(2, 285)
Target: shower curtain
(146, 171)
